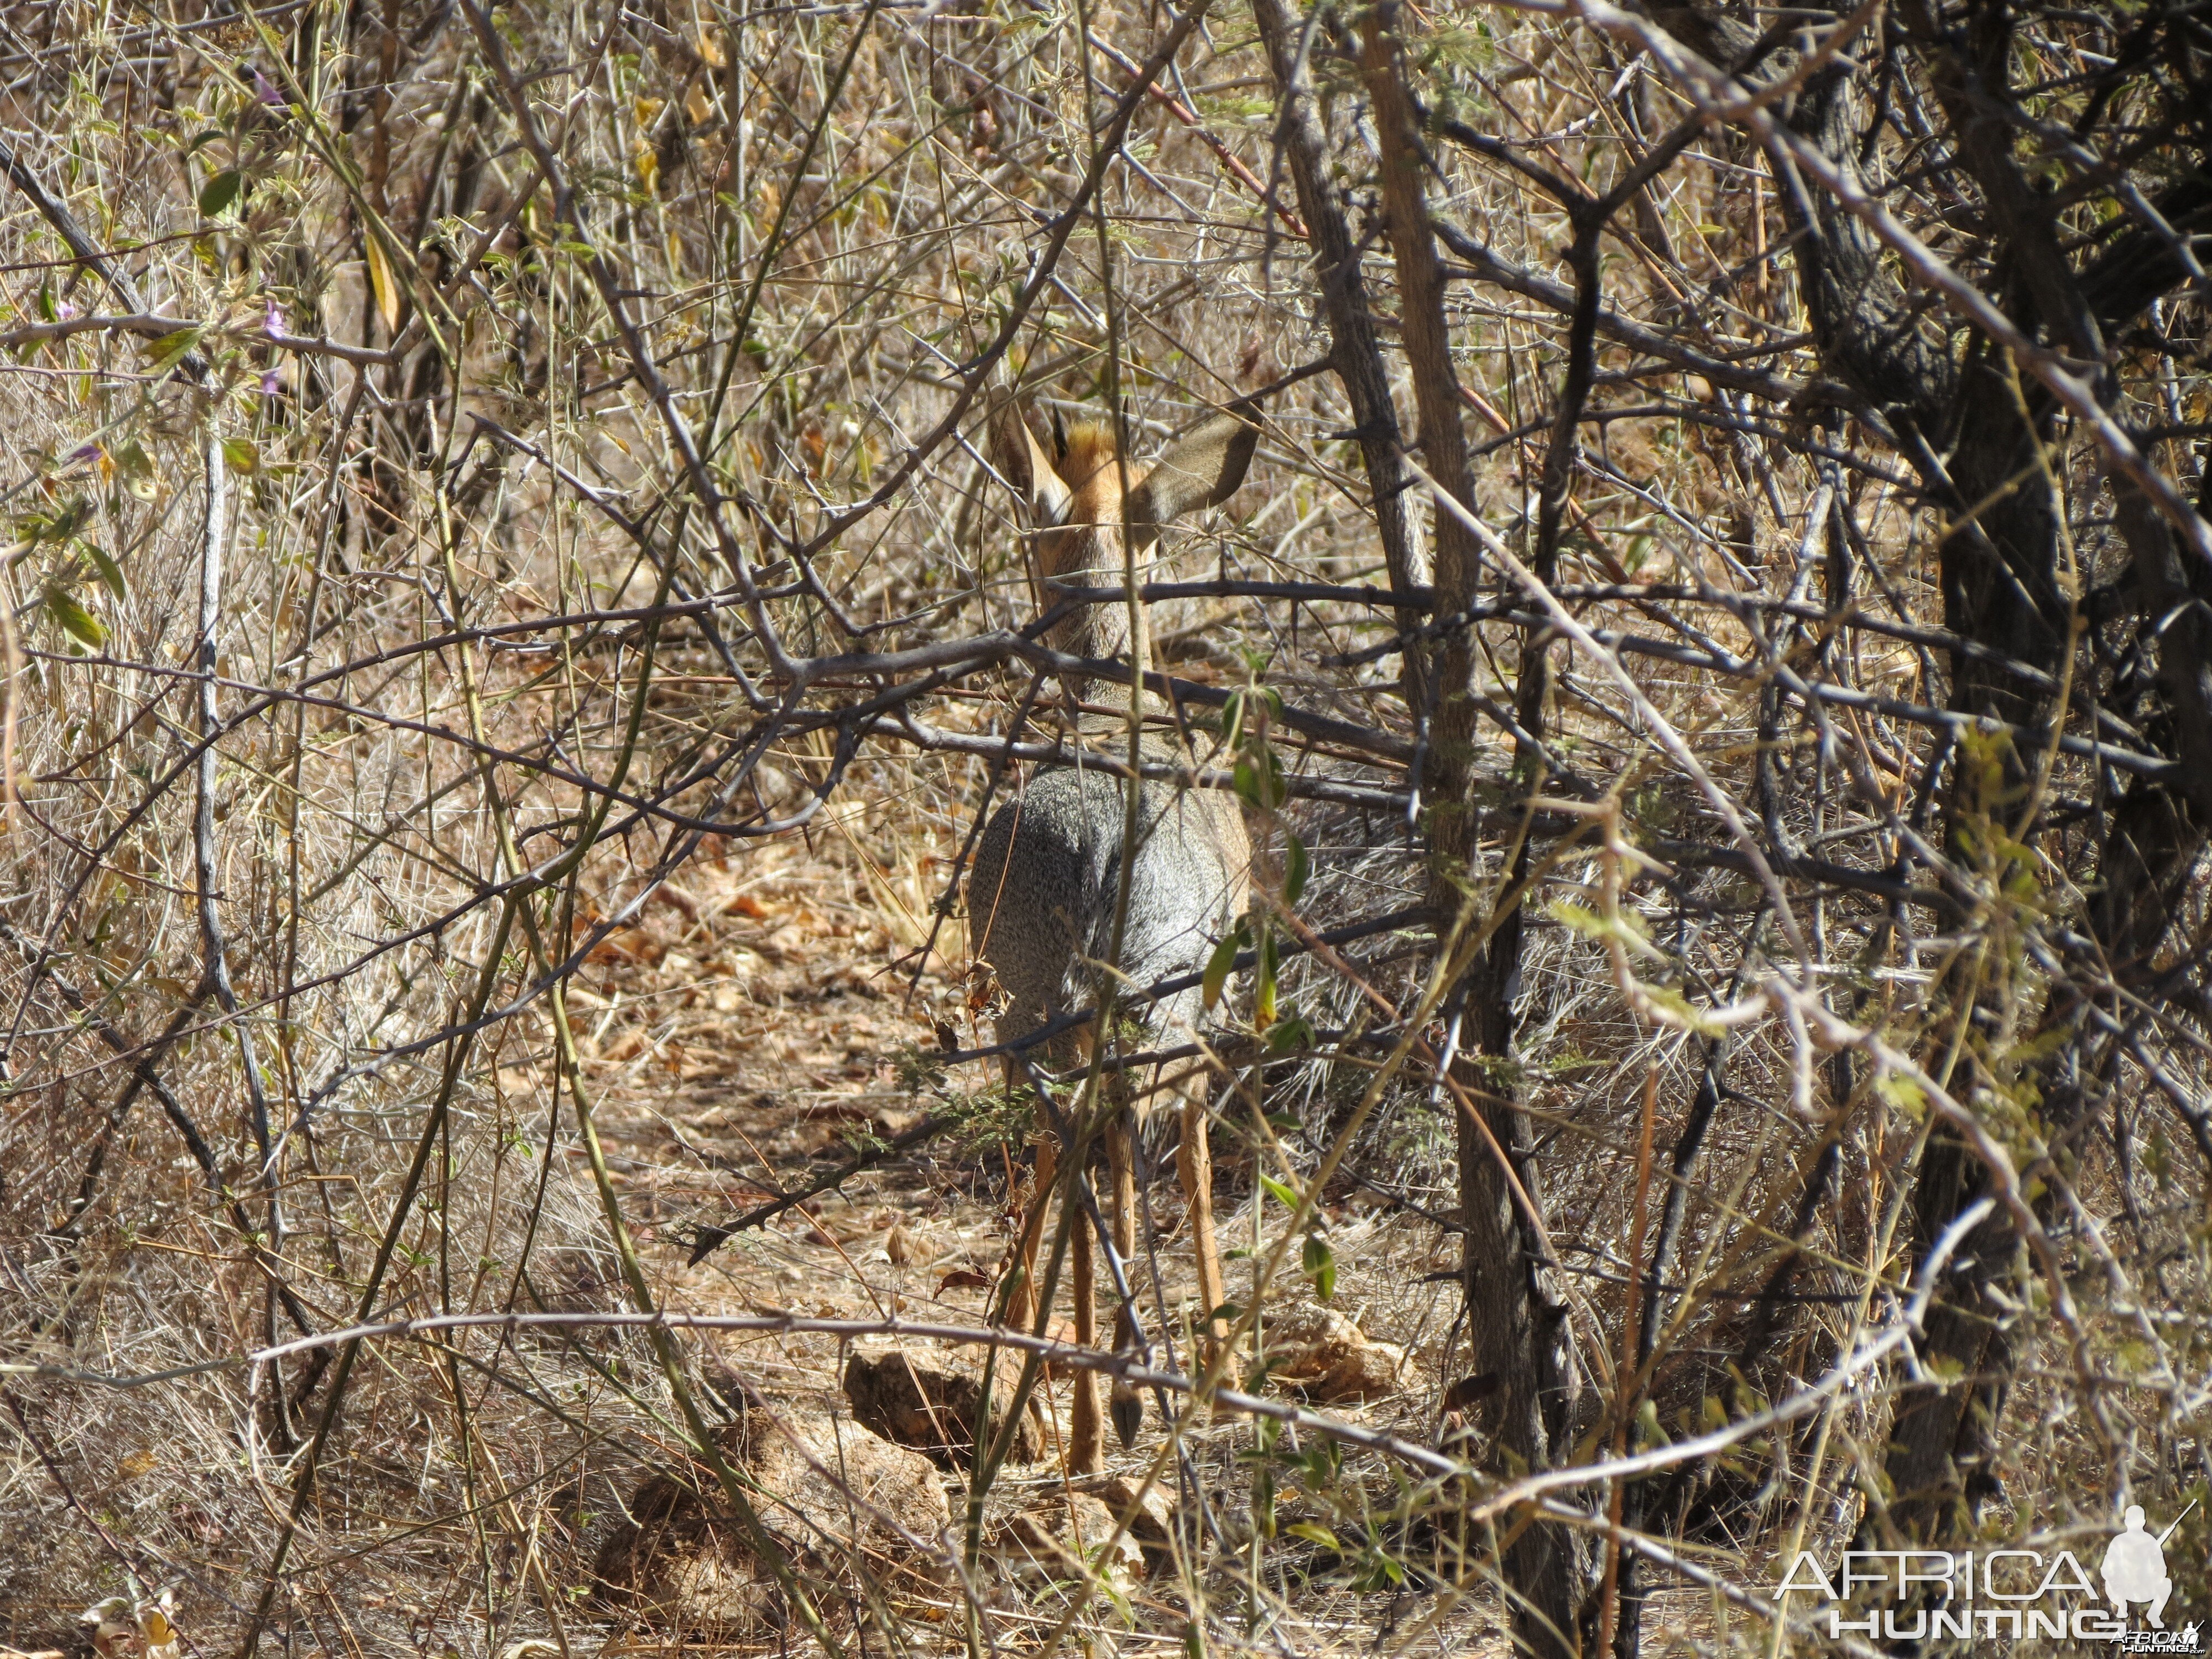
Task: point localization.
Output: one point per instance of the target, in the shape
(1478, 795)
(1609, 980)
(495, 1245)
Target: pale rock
(1066, 1536)
(929, 1399)
(1326, 1356)
(840, 1502)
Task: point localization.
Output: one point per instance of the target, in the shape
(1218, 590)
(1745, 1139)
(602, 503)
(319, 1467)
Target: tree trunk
(1516, 1318)
(1357, 354)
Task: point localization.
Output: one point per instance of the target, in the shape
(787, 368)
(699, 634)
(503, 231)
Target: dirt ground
(758, 1023)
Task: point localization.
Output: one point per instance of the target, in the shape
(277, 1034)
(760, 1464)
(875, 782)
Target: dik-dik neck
(1109, 696)
(1095, 521)
(1104, 631)
(1091, 548)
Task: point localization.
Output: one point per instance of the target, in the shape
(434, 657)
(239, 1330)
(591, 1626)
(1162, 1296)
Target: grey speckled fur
(1041, 898)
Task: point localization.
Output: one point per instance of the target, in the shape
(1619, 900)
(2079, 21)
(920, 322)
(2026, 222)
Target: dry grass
(536, 911)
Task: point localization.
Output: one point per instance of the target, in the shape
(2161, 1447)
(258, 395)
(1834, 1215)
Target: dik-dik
(1044, 896)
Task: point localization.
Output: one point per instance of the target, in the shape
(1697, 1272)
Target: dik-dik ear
(1202, 469)
(1016, 452)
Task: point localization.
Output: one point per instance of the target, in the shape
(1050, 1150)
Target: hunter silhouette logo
(2135, 1567)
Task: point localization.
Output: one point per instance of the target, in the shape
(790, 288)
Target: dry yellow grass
(511, 631)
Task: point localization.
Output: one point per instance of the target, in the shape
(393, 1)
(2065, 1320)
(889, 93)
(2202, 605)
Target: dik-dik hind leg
(1021, 1307)
(1124, 1403)
(1121, 1168)
(1021, 1301)
(1086, 1435)
(1194, 1170)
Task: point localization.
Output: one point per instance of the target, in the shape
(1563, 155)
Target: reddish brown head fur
(1077, 500)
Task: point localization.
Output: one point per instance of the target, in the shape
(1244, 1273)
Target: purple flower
(273, 323)
(83, 455)
(265, 90)
(272, 383)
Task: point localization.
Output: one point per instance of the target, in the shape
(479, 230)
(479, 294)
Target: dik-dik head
(1074, 488)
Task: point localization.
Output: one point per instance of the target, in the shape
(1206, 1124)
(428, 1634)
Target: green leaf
(1221, 964)
(1320, 1263)
(46, 313)
(1263, 994)
(1298, 866)
(138, 480)
(1314, 1533)
(57, 525)
(1281, 1194)
(1227, 1313)
(1259, 780)
(171, 346)
(240, 455)
(381, 283)
(1245, 779)
(111, 574)
(77, 622)
(219, 192)
(1289, 1033)
(1901, 1092)
(1232, 721)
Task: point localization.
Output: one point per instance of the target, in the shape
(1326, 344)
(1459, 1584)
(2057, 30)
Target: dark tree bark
(1517, 1313)
(1357, 353)
(1977, 434)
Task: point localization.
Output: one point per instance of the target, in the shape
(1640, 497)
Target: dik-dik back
(1043, 895)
